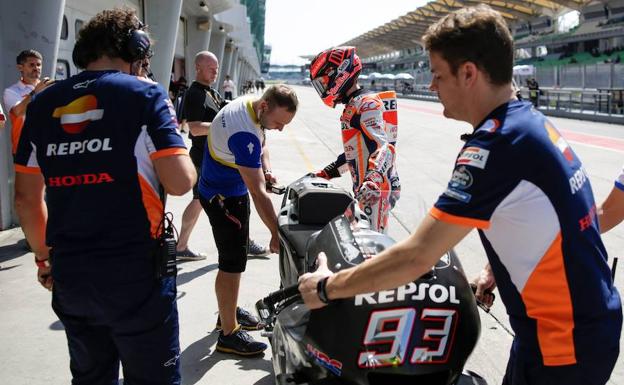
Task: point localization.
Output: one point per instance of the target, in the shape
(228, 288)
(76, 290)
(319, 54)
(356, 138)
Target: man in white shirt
(228, 87)
(17, 96)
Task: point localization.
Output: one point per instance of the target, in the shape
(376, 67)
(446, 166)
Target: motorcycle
(419, 333)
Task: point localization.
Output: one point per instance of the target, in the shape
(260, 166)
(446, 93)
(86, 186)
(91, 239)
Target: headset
(138, 46)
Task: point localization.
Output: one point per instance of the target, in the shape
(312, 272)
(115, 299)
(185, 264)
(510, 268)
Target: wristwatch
(31, 93)
(321, 290)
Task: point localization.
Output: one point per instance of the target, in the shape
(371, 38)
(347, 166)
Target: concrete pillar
(199, 30)
(24, 24)
(244, 71)
(237, 72)
(232, 69)
(225, 65)
(163, 17)
(217, 46)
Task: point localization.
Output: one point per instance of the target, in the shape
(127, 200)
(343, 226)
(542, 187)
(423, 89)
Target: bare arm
(198, 128)
(611, 211)
(176, 173)
(32, 211)
(254, 180)
(266, 159)
(19, 109)
(266, 165)
(398, 265)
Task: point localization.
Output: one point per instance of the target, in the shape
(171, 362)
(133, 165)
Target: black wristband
(321, 290)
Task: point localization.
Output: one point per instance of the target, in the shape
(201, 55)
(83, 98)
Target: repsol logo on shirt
(80, 147)
(76, 180)
(577, 181)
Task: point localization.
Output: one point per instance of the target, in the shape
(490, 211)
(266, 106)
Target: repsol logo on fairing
(436, 293)
(76, 180)
(80, 147)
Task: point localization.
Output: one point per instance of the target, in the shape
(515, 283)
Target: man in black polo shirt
(201, 104)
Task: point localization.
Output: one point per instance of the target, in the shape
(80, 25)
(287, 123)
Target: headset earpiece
(138, 46)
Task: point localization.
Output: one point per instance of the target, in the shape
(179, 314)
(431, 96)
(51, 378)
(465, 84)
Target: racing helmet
(333, 73)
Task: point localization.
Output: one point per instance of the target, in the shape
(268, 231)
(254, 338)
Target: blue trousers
(132, 320)
(525, 369)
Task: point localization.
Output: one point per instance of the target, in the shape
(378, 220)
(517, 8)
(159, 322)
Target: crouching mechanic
(369, 132)
(104, 144)
(231, 168)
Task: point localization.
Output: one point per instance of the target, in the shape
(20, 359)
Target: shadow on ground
(188, 276)
(13, 251)
(199, 357)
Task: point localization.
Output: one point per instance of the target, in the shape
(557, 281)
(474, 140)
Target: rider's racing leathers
(369, 133)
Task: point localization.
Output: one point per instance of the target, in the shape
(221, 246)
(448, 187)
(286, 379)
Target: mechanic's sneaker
(241, 343)
(189, 255)
(255, 250)
(245, 319)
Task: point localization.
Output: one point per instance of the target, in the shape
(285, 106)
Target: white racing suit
(369, 133)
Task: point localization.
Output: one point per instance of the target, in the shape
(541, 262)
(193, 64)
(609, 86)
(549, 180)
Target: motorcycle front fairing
(424, 330)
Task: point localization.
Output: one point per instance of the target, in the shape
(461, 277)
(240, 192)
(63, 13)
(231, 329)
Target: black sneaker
(241, 343)
(245, 319)
(255, 250)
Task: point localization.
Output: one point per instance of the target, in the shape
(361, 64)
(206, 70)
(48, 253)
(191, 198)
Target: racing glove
(330, 171)
(369, 191)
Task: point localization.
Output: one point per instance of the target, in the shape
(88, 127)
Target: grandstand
(573, 48)
(597, 39)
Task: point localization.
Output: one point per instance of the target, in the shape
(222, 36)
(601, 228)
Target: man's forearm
(611, 212)
(265, 209)
(266, 159)
(392, 268)
(20, 108)
(33, 218)
(199, 128)
(401, 263)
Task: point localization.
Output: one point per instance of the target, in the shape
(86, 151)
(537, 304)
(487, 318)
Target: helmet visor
(320, 84)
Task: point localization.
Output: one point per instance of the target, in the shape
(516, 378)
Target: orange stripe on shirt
(168, 152)
(27, 170)
(17, 123)
(546, 296)
(457, 220)
(387, 94)
(153, 206)
(360, 154)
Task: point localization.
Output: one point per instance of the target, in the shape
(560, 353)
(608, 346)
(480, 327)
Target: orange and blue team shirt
(518, 181)
(94, 137)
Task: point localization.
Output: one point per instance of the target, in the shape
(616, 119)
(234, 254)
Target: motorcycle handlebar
(283, 294)
(276, 188)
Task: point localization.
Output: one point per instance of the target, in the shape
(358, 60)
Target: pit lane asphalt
(34, 345)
